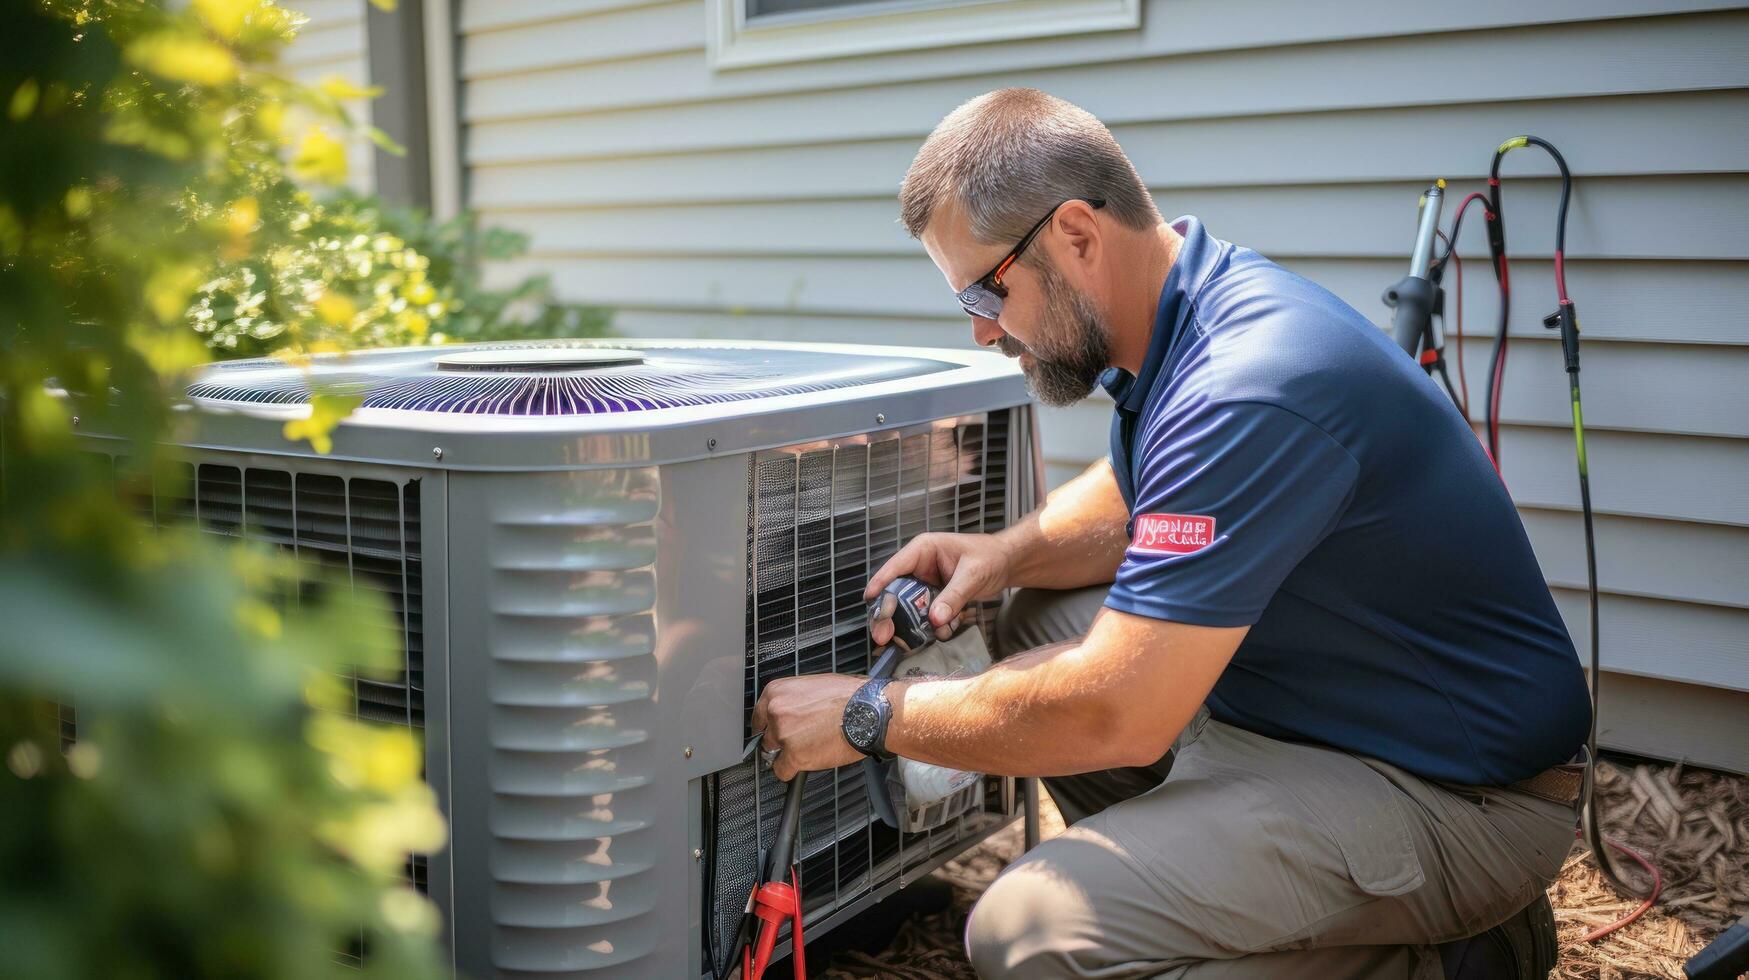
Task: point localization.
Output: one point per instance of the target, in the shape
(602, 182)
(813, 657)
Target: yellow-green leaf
(326, 412)
(169, 352)
(169, 288)
(385, 141)
(320, 158)
(183, 59)
(24, 99)
(225, 17)
(44, 417)
(78, 203)
(336, 309)
(242, 216)
(339, 88)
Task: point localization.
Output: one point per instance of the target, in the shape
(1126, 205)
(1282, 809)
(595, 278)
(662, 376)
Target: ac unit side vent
(365, 530)
(820, 523)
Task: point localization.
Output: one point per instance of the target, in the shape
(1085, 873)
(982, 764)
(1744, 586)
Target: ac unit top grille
(555, 378)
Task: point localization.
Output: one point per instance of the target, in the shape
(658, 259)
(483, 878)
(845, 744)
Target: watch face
(861, 723)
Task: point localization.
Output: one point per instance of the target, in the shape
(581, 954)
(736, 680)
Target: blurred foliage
(457, 249)
(389, 277)
(218, 815)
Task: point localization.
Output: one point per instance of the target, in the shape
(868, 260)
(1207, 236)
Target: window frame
(885, 26)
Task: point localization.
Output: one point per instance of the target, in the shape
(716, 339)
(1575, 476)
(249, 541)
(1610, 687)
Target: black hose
(710, 876)
(1450, 389)
(1497, 253)
(1496, 218)
(1589, 826)
(1567, 319)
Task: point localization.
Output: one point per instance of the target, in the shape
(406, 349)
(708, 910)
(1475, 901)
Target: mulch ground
(1692, 823)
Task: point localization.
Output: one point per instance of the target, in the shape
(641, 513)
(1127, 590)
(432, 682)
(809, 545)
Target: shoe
(1522, 947)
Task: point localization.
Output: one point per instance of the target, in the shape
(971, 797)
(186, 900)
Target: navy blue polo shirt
(1287, 468)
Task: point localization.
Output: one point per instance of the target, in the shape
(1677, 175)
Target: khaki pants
(1243, 856)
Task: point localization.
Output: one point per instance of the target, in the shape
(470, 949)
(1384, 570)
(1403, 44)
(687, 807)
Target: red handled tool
(775, 902)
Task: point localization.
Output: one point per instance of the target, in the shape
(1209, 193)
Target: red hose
(1657, 887)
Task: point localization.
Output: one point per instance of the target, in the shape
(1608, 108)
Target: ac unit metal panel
(568, 817)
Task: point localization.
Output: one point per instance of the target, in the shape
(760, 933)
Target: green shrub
(405, 278)
(217, 815)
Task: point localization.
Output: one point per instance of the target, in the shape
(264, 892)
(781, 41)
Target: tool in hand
(905, 601)
(774, 900)
(778, 896)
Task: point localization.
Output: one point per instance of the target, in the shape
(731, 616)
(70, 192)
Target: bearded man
(1285, 658)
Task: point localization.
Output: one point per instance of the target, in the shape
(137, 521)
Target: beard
(1073, 347)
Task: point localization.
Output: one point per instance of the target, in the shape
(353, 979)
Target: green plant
(458, 248)
(406, 278)
(217, 815)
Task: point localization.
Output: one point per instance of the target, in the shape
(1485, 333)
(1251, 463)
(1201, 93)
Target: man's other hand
(964, 567)
(803, 717)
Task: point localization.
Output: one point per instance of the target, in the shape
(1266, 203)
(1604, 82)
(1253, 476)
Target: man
(1285, 658)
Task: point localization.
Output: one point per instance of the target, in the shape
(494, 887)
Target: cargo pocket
(1344, 801)
(1358, 834)
(1340, 832)
(1371, 827)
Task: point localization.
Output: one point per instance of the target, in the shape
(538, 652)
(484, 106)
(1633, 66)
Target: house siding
(759, 203)
(333, 45)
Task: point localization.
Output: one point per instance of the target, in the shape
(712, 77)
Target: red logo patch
(1172, 534)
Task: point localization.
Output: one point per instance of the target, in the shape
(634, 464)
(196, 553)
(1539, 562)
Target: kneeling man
(1285, 657)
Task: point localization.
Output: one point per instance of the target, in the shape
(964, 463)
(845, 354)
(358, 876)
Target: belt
(1560, 784)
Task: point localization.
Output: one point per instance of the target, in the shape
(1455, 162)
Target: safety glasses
(983, 298)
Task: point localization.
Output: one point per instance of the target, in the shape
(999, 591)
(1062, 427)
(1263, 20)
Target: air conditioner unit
(599, 554)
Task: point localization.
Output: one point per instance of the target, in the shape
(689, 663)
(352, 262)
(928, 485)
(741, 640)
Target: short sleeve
(1229, 498)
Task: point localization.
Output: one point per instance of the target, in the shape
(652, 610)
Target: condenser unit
(598, 555)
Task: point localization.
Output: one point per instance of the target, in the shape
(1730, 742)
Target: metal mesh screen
(821, 521)
(367, 530)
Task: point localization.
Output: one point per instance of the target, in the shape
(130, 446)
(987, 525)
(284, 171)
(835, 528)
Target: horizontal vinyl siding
(760, 203)
(333, 45)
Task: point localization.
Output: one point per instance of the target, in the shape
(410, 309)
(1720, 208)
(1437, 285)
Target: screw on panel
(880, 418)
(687, 751)
(75, 420)
(436, 452)
(698, 854)
(711, 445)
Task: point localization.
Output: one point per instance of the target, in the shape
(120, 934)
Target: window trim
(733, 41)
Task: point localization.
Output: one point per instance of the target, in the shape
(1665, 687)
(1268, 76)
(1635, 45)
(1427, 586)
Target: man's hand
(804, 718)
(965, 567)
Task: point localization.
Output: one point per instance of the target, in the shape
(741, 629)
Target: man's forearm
(1075, 539)
(1033, 714)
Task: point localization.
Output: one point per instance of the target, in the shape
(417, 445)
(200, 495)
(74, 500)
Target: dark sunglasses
(983, 298)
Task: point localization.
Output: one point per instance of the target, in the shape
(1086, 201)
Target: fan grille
(667, 377)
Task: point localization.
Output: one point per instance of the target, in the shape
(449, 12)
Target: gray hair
(1011, 155)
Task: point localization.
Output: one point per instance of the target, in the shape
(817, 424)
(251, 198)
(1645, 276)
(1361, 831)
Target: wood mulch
(1693, 824)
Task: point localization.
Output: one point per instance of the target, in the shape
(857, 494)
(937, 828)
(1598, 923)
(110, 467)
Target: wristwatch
(866, 715)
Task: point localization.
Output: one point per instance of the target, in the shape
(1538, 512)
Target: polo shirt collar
(1196, 259)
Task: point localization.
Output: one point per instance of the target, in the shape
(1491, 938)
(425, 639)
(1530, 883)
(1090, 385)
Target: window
(745, 33)
(764, 8)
